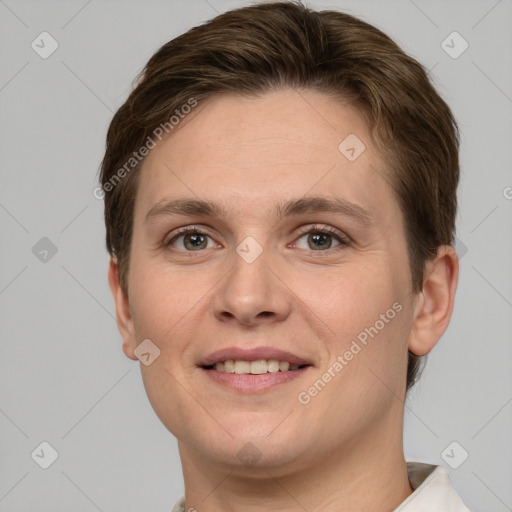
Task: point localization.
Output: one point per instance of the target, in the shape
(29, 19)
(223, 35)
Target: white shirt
(433, 491)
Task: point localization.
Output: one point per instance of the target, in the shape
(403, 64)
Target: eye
(322, 238)
(190, 239)
(317, 238)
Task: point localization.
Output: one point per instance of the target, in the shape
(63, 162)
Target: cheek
(368, 321)
(159, 299)
(152, 307)
(349, 298)
(170, 308)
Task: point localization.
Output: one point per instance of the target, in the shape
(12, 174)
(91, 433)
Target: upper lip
(254, 354)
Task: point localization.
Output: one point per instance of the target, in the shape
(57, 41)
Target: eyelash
(343, 239)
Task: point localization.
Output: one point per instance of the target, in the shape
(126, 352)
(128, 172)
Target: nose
(252, 293)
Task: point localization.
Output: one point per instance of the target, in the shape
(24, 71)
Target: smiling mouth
(256, 367)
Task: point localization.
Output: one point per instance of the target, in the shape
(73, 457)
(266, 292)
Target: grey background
(63, 376)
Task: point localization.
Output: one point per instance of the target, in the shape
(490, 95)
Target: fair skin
(342, 451)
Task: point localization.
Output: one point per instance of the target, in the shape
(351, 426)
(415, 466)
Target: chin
(250, 449)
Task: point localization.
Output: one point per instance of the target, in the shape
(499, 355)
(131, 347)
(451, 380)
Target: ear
(123, 314)
(434, 304)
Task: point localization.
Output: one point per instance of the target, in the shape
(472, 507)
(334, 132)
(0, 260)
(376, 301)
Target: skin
(251, 154)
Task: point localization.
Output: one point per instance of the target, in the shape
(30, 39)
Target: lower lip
(249, 383)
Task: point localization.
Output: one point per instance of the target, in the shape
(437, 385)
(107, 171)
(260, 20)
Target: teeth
(229, 366)
(242, 367)
(259, 367)
(255, 367)
(272, 365)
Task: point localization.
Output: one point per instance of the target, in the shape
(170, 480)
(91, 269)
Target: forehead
(307, 124)
(261, 150)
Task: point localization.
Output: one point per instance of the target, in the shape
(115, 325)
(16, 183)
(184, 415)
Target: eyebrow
(336, 205)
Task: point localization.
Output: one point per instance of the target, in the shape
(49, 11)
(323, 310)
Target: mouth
(257, 367)
(253, 370)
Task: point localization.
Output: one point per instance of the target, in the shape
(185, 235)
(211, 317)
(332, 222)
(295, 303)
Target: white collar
(433, 491)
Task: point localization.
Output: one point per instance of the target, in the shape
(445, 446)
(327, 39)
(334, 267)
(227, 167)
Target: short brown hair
(268, 46)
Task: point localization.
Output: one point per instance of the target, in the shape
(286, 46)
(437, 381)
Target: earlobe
(434, 304)
(123, 314)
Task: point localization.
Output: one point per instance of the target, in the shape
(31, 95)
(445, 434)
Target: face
(295, 252)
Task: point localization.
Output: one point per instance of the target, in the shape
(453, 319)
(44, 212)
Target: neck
(369, 475)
